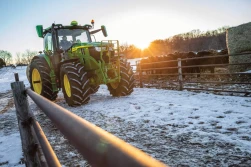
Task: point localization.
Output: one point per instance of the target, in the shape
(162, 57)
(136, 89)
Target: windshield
(67, 37)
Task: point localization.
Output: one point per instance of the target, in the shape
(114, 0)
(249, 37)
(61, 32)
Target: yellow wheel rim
(114, 85)
(67, 86)
(36, 81)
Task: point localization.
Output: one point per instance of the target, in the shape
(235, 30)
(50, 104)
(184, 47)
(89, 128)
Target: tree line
(194, 40)
(20, 58)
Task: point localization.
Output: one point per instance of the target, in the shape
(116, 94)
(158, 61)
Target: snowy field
(177, 128)
(7, 76)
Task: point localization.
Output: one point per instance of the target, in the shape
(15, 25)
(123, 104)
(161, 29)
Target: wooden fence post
(180, 75)
(24, 122)
(140, 76)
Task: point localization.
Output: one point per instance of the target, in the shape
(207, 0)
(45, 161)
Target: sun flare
(142, 45)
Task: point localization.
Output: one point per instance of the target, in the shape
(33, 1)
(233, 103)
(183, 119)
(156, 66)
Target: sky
(135, 22)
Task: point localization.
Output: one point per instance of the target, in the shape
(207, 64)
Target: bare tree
(123, 47)
(18, 58)
(194, 40)
(129, 51)
(27, 56)
(6, 56)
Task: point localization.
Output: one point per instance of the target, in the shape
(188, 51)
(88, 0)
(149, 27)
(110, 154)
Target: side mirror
(104, 31)
(39, 29)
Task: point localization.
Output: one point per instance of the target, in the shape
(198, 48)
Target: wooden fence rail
(179, 74)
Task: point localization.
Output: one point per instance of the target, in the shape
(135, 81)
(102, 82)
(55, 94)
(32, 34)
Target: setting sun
(142, 45)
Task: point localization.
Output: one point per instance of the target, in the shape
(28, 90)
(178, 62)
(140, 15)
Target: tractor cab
(68, 37)
(64, 37)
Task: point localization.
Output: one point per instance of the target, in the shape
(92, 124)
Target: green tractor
(73, 62)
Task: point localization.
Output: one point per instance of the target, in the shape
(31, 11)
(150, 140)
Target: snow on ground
(249, 71)
(177, 128)
(10, 142)
(163, 107)
(10, 150)
(7, 76)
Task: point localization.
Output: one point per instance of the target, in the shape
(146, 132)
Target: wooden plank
(180, 75)
(24, 122)
(219, 90)
(217, 82)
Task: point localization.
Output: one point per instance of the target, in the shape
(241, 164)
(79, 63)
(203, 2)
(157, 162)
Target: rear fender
(44, 56)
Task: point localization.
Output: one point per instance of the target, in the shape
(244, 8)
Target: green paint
(53, 80)
(39, 29)
(74, 23)
(98, 68)
(47, 58)
(104, 30)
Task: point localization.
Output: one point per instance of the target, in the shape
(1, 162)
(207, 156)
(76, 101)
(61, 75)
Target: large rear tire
(40, 80)
(126, 84)
(75, 84)
(94, 89)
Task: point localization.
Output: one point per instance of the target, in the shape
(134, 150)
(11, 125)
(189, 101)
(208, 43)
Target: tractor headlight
(100, 48)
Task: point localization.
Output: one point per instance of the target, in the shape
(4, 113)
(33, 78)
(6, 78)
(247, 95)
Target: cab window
(48, 42)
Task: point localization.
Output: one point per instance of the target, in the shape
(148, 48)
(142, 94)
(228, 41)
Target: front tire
(126, 84)
(40, 80)
(75, 84)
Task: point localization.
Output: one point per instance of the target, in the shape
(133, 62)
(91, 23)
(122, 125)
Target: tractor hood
(94, 44)
(90, 44)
